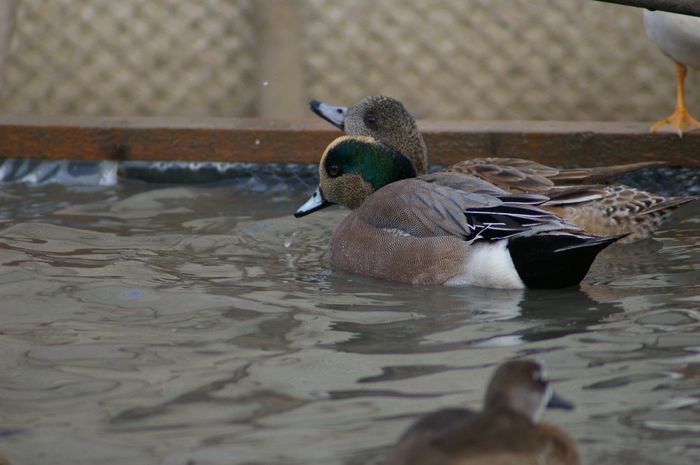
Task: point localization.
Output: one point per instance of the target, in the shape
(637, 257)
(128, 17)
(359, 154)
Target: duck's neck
(413, 147)
(499, 402)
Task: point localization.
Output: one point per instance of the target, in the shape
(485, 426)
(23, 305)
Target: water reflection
(474, 316)
(147, 325)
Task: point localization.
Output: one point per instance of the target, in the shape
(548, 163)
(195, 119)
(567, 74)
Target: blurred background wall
(446, 59)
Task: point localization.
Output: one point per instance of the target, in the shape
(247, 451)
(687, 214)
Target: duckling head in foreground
(507, 431)
(442, 228)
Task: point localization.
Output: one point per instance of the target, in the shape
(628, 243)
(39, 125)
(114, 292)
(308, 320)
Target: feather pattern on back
(426, 207)
(519, 175)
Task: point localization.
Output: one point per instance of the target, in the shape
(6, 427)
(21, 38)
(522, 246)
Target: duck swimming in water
(442, 228)
(508, 430)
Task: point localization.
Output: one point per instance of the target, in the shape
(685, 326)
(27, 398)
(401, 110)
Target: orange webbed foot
(679, 122)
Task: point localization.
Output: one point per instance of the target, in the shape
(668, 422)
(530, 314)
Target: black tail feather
(557, 259)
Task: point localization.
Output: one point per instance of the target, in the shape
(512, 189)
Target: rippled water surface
(202, 325)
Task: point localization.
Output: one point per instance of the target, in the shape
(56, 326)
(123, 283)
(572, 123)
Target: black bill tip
(316, 202)
(333, 114)
(559, 402)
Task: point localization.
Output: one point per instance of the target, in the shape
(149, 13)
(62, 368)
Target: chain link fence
(447, 59)
(130, 57)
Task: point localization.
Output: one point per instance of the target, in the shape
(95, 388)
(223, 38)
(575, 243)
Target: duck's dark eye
(370, 119)
(539, 378)
(333, 171)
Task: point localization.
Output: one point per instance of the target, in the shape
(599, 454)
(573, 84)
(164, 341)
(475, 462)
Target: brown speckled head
(383, 118)
(521, 386)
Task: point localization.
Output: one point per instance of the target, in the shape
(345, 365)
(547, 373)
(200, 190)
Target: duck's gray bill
(332, 114)
(559, 402)
(316, 202)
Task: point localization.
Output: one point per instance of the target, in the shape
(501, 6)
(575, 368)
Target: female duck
(506, 432)
(602, 210)
(443, 228)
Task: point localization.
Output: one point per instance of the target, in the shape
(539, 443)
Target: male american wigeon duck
(601, 210)
(678, 36)
(442, 228)
(507, 431)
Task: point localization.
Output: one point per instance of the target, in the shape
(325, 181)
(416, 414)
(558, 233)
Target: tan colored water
(190, 325)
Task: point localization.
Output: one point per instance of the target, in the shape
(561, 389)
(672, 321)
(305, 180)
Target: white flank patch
(488, 265)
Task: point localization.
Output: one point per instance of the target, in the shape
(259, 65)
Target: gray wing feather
(436, 207)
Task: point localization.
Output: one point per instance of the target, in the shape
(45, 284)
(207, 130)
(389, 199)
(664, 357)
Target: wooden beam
(265, 141)
(560, 143)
